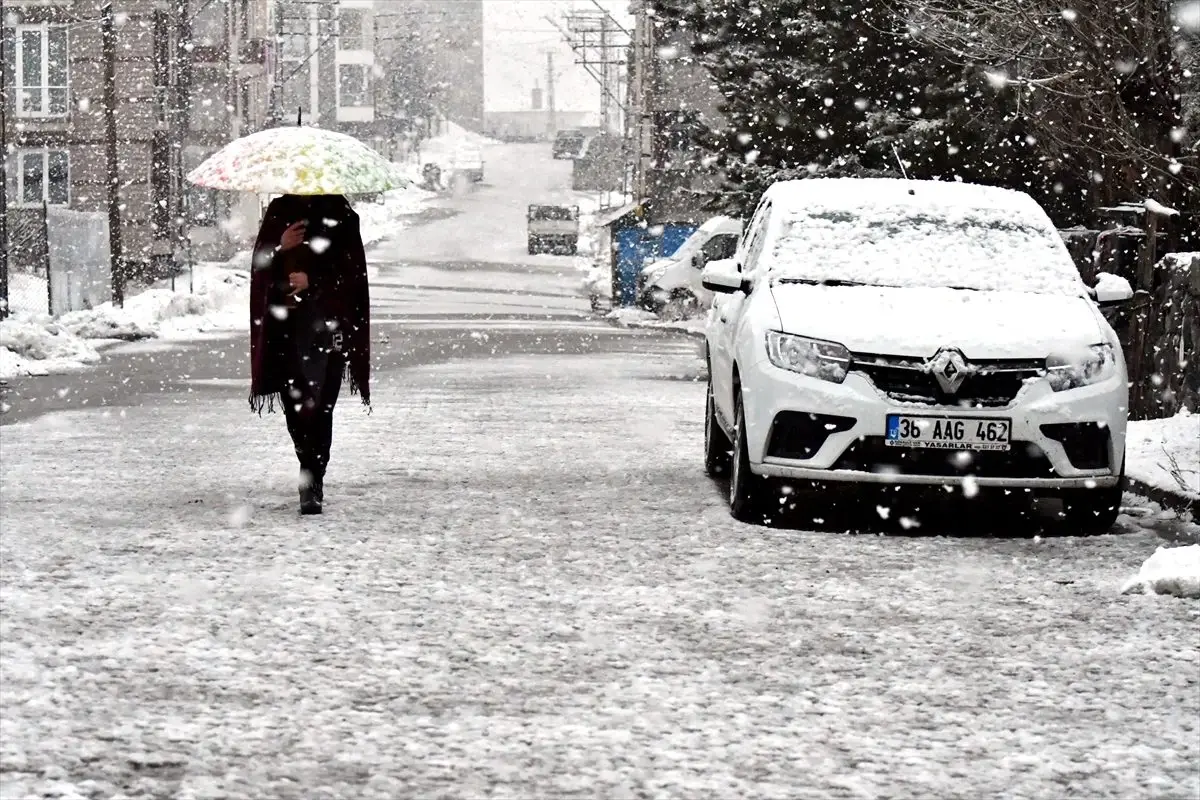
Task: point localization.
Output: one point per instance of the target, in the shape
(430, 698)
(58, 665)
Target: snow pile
(378, 220)
(631, 316)
(219, 301)
(873, 231)
(441, 149)
(1165, 453)
(1171, 570)
(39, 347)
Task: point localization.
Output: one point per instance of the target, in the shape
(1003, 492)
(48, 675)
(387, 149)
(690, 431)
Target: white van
(671, 286)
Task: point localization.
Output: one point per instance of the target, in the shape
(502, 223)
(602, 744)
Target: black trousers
(311, 423)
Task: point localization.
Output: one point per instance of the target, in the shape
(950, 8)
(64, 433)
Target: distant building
(536, 124)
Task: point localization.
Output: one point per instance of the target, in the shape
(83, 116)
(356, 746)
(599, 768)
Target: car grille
(907, 380)
(871, 454)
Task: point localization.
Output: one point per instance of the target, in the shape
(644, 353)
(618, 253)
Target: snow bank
(219, 301)
(1165, 453)
(1171, 570)
(39, 347)
(378, 220)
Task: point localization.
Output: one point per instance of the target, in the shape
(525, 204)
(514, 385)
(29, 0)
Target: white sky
(516, 37)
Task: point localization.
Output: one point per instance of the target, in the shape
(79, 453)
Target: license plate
(948, 433)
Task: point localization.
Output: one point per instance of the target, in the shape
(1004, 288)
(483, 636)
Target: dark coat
(285, 333)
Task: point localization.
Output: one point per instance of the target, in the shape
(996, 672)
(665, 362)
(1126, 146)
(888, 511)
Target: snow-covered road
(523, 586)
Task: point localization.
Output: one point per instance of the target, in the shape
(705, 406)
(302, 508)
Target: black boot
(310, 493)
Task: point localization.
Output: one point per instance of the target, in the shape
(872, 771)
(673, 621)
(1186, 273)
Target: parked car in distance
(553, 229)
(672, 286)
(884, 332)
(569, 143)
(468, 162)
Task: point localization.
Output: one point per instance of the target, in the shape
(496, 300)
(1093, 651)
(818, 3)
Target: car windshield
(963, 248)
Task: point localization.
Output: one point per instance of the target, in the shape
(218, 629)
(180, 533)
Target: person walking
(309, 324)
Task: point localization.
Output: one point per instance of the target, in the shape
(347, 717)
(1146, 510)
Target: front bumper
(851, 418)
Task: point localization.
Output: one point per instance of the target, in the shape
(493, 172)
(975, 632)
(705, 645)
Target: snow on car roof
(890, 232)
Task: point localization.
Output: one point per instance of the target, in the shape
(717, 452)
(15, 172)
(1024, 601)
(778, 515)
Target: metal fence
(58, 260)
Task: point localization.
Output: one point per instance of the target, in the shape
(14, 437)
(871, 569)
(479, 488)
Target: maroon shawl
(346, 295)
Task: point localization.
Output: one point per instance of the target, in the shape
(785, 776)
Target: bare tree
(1096, 82)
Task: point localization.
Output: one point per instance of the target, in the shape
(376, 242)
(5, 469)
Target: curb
(1176, 501)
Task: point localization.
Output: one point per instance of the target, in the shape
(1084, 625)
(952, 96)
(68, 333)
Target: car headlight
(827, 361)
(1090, 365)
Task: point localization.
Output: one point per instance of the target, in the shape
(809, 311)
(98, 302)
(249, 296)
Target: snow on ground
(575, 617)
(1171, 570)
(640, 318)
(440, 149)
(1165, 453)
(379, 220)
(29, 347)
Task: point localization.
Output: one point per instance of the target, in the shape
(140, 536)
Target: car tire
(716, 444)
(534, 246)
(1091, 512)
(748, 493)
(681, 306)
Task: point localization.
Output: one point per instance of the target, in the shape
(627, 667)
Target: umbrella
(298, 160)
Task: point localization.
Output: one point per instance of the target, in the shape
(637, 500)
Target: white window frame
(42, 28)
(17, 170)
(365, 29)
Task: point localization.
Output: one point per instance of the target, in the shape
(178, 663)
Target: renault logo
(950, 369)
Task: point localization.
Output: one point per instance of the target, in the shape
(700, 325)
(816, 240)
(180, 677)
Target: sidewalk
(1163, 461)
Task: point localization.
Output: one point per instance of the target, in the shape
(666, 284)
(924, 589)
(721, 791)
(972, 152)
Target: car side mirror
(1111, 290)
(724, 277)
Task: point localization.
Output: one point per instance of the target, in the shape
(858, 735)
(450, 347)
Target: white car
(879, 331)
(672, 286)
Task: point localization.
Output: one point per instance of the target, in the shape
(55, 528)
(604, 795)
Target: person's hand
(298, 281)
(293, 236)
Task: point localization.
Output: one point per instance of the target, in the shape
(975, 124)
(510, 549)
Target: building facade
(189, 77)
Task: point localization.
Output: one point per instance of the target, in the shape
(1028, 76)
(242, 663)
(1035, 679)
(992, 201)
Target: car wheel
(681, 306)
(716, 443)
(533, 246)
(747, 492)
(1091, 512)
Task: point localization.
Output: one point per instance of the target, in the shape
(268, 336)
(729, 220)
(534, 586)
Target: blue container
(637, 247)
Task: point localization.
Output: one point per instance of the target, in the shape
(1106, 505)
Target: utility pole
(605, 83)
(4, 178)
(108, 40)
(551, 121)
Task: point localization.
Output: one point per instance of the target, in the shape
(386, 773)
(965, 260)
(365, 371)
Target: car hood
(652, 269)
(918, 321)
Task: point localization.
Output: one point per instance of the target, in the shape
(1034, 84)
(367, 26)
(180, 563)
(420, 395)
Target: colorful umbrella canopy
(298, 160)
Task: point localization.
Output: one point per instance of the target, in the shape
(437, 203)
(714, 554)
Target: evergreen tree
(832, 88)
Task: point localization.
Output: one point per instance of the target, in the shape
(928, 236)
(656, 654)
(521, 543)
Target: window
(42, 70)
(720, 247)
(354, 85)
(352, 34)
(294, 46)
(208, 25)
(40, 176)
